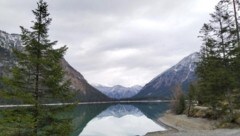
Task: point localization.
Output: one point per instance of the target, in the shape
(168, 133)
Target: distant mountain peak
(186, 61)
(119, 91)
(183, 73)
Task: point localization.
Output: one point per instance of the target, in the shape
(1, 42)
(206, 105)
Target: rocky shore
(181, 125)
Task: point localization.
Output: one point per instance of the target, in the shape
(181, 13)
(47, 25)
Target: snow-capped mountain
(84, 91)
(118, 91)
(9, 41)
(183, 73)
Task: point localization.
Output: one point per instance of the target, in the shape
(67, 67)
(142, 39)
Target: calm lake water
(117, 119)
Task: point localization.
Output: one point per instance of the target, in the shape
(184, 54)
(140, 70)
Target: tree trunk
(189, 107)
(222, 42)
(37, 79)
(236, 22)
(230, 104)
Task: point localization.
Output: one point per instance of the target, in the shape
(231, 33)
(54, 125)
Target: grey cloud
(118, 41)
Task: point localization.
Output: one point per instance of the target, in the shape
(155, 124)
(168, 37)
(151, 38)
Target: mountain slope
(118, 91)
(8, 42)
(84, 91)
(183, 73)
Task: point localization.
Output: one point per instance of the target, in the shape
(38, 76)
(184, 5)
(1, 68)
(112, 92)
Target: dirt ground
(181, 125)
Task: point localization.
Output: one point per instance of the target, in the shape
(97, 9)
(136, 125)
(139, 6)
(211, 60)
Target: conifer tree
(218, 65)
(206, 69)
(38, 78)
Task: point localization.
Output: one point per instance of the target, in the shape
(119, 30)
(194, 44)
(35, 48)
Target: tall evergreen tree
(38, 77)
(207, 68)
(217, 68)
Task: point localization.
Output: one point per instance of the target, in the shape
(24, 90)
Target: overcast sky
(112, 42)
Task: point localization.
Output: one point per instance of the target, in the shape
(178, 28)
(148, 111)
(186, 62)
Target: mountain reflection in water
(118, 120)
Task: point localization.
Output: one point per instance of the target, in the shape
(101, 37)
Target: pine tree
(38, 78)
(207, 68)
(218, 65)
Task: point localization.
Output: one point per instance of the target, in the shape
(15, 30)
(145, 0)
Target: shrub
(178, 101)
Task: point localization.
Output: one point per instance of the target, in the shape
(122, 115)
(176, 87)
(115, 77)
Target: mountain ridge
(84, 91)
(119, 91)
(160, 87)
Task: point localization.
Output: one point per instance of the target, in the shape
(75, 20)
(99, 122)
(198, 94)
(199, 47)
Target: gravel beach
(181, 125)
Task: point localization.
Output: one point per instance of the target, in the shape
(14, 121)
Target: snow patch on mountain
(183, 73)
(10, 41)
(187, 66)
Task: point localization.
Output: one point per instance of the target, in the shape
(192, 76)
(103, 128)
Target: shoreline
(85, 103)
(181, 125)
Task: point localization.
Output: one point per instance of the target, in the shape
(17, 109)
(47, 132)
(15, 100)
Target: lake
(117, 119)
(125, 119)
